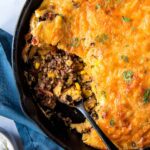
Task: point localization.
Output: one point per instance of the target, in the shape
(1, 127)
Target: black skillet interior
(54, 127)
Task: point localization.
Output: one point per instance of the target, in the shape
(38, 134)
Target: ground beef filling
(55, 75)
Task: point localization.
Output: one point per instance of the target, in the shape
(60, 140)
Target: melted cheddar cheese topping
(113, 39)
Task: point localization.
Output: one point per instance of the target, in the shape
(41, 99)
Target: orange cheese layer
(113, 39)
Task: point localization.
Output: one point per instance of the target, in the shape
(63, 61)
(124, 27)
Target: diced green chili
(103, 93)
(102, 38)
(75, 42)
(126, 19)
(146, 97)
(112, 122)
(125, 58)
(98, 6)
(128, 76)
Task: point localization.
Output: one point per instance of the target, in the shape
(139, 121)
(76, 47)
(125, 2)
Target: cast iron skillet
(54, 128)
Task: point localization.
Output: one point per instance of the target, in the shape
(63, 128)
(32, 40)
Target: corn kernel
(57, 89)
(87, 93)
(50, 74)
(77, 86)
(36, 65)
(43, 57)
(69, 62)
(97, 63)
(82, 72)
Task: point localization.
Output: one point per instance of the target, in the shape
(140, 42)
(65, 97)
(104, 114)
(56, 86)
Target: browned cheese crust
(113, 39)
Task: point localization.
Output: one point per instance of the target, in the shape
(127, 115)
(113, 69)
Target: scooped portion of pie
(107, 42)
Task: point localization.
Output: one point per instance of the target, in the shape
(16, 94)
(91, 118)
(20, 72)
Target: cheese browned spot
(113, 39)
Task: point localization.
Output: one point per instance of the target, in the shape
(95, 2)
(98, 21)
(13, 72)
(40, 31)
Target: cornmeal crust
(113, 38)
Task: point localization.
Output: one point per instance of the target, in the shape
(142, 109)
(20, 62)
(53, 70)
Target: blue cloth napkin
(32, 137)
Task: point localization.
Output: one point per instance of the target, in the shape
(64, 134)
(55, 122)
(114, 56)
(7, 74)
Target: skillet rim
(18, 83)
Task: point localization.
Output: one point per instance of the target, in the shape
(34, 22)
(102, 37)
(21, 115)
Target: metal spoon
(105, 139)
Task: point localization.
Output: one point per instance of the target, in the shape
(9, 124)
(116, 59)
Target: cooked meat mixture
(56, 75)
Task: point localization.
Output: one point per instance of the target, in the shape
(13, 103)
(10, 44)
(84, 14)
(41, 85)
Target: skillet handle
(27, 1)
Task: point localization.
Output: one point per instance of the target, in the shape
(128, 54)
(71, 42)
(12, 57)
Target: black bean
(69, 98)
(94, 115)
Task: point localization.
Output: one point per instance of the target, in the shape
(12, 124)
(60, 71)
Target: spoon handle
(104, 138)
